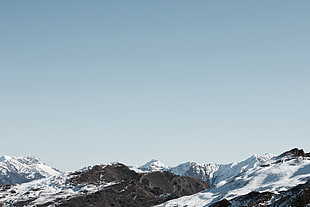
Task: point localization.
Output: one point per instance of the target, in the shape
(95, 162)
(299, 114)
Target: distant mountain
(101, 185)
(16, 170)
(258, 181)
(154, 165)
(212, 173)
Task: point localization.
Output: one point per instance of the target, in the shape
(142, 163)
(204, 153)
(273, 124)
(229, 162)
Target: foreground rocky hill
(101, 185)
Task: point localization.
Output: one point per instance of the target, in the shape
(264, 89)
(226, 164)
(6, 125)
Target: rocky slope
(101, 185)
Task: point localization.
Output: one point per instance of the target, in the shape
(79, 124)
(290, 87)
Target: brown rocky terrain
(129, 188)
(133, 189)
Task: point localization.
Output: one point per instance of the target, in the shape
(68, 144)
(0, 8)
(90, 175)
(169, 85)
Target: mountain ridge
(212, 173)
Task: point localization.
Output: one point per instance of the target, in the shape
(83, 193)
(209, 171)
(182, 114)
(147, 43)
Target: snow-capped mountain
(212, 173)
(15, 170)
(154, 165)
(201, 171)
(257, 175)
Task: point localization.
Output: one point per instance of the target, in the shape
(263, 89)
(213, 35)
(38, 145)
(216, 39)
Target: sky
(91, 82)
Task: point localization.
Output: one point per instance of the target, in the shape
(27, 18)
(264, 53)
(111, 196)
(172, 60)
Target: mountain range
(267, 180)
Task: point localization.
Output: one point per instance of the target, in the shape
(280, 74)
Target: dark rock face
(174, 185)
(296, 153)
(222, 203)
(298, 196)
(130, 188)
(101, 173)
(253, 198)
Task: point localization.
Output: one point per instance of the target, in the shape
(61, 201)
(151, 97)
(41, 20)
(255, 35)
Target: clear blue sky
(86, 82)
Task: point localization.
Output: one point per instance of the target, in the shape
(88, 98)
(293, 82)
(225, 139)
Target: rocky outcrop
(295, 152)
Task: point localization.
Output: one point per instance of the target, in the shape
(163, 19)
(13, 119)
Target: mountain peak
(23, 169)
(154, 165)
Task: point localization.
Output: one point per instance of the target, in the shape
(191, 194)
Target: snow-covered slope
(49, 189)
(258, 173)
(14, 170)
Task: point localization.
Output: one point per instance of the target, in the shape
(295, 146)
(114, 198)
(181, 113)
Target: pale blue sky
(86, 82)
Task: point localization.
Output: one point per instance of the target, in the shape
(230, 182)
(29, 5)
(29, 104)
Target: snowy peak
(154, 165)
(14, 170)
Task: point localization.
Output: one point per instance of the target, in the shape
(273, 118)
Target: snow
(46, 170)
